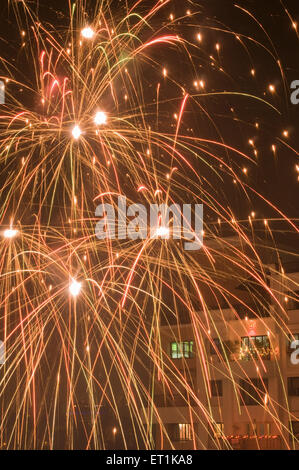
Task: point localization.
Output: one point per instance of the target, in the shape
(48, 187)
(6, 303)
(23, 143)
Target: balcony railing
(246, 354)
(265, 354)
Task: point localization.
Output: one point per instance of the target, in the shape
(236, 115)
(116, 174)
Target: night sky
(274, 176)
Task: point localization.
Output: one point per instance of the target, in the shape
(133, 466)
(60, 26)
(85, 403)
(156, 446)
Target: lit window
(258, 429)
(182, 349)
(180, 432)
(254, 346)
(185, 432)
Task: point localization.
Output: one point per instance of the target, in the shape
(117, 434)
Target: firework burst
(102, 111)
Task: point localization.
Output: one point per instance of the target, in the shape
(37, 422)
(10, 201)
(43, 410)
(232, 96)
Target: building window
(293, 386)
(185, 432)
(180, 432)
(216, 388)
(294, 428)
(292, 300)
(182, 349)
(215, 347)
(258, 429)
(225, 349)
(254, 346)
(253, 392)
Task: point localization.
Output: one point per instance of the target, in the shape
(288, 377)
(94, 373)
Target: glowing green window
(182, 349)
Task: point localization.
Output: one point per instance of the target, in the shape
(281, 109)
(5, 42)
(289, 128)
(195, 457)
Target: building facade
(230, 377)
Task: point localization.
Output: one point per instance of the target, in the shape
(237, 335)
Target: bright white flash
(87, 32)
(100, 118)
(10, 233)
(76, 132)
(162, 232)
(75, 288)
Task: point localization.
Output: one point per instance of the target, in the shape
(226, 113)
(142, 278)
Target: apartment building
(230, 378)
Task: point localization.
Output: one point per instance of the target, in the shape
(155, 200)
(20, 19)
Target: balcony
(235, 352)
(246, 359)
(264, 354)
